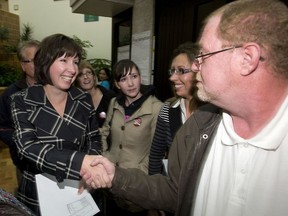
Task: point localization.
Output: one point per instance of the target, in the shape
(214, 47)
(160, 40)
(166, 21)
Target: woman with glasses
(87, 80)
(176, 110)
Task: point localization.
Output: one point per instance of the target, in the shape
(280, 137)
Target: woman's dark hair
(107, 71)
(51, 48)
(188, 48)
(122, 68)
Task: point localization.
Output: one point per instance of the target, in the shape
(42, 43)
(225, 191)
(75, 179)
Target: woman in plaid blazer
(55, 125)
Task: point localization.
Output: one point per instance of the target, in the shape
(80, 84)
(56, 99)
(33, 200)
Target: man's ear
(251, 58)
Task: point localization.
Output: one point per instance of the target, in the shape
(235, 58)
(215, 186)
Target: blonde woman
(87, 80)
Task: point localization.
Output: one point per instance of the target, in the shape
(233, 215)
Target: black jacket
(102, 108)
(5, 101)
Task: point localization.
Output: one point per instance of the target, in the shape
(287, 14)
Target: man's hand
(97, 171)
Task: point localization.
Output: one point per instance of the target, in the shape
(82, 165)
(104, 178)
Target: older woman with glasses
(87, 80)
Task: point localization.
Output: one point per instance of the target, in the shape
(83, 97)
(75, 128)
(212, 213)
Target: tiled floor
(8, 180)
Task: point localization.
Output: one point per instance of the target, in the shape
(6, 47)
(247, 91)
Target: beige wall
(143, 16)
(48, 17)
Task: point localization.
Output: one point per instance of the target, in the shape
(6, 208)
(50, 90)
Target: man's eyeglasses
(87, 74)
(179, 71)
(27, 61)
(199, 59)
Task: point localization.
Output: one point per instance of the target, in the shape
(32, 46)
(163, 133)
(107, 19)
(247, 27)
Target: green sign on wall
(90, 18)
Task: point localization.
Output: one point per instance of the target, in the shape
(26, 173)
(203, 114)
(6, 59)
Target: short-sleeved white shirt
(246, 177)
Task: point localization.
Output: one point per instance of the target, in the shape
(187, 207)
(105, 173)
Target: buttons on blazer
(120, 146)
(123, 127)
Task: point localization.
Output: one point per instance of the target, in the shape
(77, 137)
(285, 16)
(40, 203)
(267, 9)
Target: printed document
(62, 199)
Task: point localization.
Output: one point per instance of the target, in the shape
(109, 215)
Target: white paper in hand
(62, 198)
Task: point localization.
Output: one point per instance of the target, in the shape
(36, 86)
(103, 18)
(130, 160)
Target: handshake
(96, 172)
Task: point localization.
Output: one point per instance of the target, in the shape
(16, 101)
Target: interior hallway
(8, 180)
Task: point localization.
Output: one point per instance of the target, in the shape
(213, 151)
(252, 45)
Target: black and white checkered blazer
(51, 144)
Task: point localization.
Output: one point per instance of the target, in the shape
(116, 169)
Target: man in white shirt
(233, 160)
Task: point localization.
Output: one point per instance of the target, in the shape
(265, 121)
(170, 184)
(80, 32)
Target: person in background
(87, 80)
(229, 158)
(178, 109)
(25, 52)
(129, 128)
(56, 129)
(105, 78)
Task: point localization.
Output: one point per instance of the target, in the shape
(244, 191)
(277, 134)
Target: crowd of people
(223, 134)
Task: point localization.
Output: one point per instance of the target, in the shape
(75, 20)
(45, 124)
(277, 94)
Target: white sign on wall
(141, 54)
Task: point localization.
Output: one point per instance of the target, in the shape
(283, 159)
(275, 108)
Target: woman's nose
(129, 81)
(173, 77)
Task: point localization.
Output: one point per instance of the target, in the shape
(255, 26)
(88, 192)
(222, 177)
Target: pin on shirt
(137, 122)
(102, 115)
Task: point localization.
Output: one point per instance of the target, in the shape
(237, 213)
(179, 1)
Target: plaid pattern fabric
(51, 144)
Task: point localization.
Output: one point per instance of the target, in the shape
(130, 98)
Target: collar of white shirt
(269, 138)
